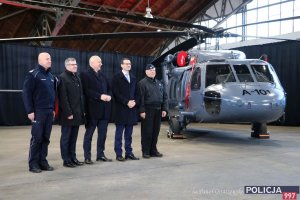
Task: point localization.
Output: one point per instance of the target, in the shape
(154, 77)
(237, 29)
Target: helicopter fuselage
(226, 90)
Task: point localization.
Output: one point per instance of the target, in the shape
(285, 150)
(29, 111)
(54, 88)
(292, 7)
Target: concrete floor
(216, 161)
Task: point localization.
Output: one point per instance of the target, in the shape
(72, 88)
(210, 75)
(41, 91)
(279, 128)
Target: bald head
(44, 59)
(95, 63)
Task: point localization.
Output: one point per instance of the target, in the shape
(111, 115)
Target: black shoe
(157, 154)
(35, 170)
(77, 162)
(69, 164)
(104, 159)
(146, 156)
(47, 168)
(131, 157)
(120, 158)
(88, 161)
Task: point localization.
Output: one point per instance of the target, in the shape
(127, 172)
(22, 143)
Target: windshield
(216, 74)
(262, 73)
(243, 73)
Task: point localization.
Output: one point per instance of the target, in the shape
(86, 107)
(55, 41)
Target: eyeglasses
(126, 63)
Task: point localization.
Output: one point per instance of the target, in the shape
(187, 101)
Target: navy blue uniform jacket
(123, 91)
(94, 85)
(39, 90)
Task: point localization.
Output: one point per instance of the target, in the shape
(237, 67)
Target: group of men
(86, 99)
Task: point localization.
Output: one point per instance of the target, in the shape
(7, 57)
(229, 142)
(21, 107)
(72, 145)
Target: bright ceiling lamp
(148, 11)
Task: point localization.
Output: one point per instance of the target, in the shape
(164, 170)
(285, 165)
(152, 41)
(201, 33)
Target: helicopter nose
(253, 108)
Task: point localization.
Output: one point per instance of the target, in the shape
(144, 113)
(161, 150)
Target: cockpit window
(196, 79)
(262, 73)
(243, 73)
(216, 74)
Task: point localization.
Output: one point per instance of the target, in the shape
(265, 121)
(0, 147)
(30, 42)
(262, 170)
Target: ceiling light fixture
(148, 11)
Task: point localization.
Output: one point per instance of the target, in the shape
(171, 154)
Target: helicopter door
(215, 74)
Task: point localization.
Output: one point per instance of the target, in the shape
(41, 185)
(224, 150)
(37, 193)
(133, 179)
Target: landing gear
(259, 130)
(175, 129)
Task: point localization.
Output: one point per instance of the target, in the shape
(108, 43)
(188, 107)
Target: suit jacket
(94, 85)
(123, 91)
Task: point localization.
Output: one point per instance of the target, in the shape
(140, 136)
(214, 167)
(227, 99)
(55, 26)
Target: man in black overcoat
(71, 112)
(98, 109)
(125, 112)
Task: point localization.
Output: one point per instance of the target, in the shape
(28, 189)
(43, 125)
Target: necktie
(127, 77)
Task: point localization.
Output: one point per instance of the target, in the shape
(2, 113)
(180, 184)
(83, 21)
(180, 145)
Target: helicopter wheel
(175, 129)
(259, 130)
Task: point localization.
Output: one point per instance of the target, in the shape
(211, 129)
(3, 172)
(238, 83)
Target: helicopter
(221, 86)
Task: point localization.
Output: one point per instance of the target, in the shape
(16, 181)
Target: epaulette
(34, 72)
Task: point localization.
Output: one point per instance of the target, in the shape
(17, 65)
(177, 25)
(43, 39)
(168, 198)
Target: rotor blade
(258, 37)
(184, 46)
(126, 16)
(99, 36)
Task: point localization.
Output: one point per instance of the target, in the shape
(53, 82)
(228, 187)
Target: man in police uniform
(39, 97)
(153, 106)
(71, 112)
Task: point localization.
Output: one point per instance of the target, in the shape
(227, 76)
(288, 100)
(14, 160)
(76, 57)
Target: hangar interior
(215, 161)
(272, 18)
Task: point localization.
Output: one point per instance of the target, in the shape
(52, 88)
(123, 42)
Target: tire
(175, 126)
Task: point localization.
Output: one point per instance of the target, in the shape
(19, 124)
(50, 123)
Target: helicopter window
(262, 73)
(243, 73)
(196, 79)
(216, 74)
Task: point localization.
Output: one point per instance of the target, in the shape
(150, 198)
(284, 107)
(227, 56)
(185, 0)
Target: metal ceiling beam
(13, 14)
(42, 28)
(24, 5)
(85, 15)
(119, 26)
(232, 12)
(123, 15)
(61, 17)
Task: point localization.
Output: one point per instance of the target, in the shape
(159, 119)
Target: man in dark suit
(97, 96)
(71, 112)
(125, 112)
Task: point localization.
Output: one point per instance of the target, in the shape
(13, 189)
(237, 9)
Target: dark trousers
(68, 141)
(150, 128)
(127, 129)
(40, 138)
(90, 128)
